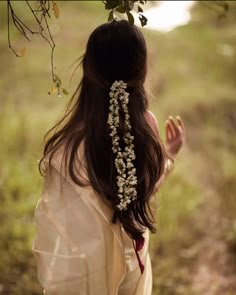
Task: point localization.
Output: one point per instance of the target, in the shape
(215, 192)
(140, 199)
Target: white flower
(126, 173)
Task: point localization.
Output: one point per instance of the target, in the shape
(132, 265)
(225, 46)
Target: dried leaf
(22, 52)
(52, 90)
(56, 9)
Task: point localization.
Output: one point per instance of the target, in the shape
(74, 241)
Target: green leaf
(140, 9)
(56, 79)
(110, 16)
(121, 9)
(130, 18)
(111, 4)
(130, 4)
(143, 20)
(66, 92)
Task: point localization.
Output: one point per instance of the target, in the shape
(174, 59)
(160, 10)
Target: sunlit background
(168, 15)
(192, 70)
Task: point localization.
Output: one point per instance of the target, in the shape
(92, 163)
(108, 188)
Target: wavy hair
(115, 51)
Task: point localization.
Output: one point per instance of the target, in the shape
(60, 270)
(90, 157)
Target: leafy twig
(125, 7)
(41, 15)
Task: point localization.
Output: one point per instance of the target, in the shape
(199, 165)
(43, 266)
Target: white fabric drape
(78, 250)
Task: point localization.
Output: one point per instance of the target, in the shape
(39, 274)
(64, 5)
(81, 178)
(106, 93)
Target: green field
(192, 72)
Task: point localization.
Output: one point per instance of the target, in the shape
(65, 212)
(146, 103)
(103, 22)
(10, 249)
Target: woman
(102, 166)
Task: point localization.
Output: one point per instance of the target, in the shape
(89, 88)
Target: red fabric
(139, 243)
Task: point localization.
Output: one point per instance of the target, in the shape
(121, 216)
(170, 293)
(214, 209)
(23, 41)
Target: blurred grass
(191, 73)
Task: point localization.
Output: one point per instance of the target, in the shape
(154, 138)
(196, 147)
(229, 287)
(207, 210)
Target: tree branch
(41, 15)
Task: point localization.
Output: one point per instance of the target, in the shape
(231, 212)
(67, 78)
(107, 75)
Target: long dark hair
(115, 51)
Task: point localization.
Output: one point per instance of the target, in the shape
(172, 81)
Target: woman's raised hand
(175, 135)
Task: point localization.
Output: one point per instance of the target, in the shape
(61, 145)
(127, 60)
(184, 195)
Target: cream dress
(78, 250)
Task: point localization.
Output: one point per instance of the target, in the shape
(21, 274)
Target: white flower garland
(126, 172)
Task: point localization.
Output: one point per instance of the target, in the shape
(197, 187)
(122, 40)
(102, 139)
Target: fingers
(175, 135)
(174, 126)
(171, 128)
(169, 131)
(174, 129)
(181, 124)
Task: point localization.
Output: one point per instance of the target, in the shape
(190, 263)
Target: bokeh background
(192, 72)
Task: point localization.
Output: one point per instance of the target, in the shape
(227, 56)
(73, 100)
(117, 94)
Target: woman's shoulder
(52, 159)
(58, 163)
